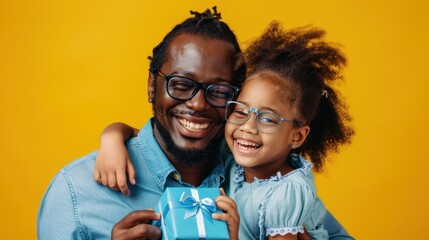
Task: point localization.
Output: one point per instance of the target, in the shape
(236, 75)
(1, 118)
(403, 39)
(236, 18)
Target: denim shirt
(76, 207)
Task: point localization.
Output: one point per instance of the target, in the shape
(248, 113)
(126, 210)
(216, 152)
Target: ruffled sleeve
(287, 206)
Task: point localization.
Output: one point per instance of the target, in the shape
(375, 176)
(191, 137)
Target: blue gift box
(186, 214)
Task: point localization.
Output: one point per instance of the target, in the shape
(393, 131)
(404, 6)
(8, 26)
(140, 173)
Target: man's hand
(136, 225)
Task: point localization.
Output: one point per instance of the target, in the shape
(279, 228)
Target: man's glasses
(266, 122)
(183, 89)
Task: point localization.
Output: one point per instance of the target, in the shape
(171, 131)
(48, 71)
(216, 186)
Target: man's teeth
(246, 144)
(193, 126)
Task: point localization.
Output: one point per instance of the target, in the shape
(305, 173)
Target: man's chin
(191, 151)
(192, 144)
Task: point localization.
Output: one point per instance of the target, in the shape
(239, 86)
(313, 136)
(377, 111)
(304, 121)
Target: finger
(222, 192)
(136, 217)
(227, 216)
(122, 183)
(145, 230)
(228, 205)
(97, 176)
(112, 181)
(140, 231)
(131, 172)
(222, 216)
(104, 179)
(226, 200)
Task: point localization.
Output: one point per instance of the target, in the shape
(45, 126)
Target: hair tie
(325, 93)
(207, 14)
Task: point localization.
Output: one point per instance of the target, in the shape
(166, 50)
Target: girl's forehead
(260, 91)
(269, 90)
(268, 79)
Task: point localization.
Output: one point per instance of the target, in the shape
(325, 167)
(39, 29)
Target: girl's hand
(113, 162)
(230, 214)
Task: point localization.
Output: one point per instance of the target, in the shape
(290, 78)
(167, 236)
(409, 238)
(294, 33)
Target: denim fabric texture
(76, 207)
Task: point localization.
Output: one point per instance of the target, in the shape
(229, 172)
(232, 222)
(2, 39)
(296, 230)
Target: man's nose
(198, 102)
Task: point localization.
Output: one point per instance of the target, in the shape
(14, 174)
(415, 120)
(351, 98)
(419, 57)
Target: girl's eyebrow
(262, 109)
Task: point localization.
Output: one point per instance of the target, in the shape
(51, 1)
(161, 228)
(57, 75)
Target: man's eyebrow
(224, 81)
(192, 76)
(182, 73)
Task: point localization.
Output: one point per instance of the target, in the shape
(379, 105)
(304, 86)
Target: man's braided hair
(206, 24)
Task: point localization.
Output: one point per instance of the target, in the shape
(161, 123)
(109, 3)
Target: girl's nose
(250, 125)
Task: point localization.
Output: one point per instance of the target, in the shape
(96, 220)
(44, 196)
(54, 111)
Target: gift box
(186, 213)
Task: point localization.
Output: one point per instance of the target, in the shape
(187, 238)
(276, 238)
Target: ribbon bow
(207, 205)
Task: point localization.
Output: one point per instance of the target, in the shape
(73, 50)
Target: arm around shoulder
(113, 164)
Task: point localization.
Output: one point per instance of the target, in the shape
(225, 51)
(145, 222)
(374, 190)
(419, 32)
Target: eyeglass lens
(184, 89)
(238, 113)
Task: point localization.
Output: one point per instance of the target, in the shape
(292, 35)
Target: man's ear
(151, 87)
(299, 135)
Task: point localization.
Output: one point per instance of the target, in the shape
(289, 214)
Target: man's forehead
(194, 53)
(184, 52)
(196, 45)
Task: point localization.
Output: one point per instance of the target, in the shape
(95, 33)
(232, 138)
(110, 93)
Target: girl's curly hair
(300, 56)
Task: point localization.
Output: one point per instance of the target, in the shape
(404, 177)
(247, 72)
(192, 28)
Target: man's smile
(193, 126)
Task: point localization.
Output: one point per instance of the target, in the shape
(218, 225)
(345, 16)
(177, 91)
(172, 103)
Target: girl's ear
(299, 136)
(151, 87)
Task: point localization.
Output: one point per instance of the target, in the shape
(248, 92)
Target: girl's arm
(230, 214)
(113, 162)
(285, 237)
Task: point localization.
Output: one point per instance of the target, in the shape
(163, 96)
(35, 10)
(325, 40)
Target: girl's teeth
(246, 144)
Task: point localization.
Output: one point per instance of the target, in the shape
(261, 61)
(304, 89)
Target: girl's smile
(246, 146)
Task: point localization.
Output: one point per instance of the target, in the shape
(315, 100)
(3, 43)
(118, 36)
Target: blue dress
(279, 205)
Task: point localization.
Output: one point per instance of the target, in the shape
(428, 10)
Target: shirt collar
(153, 156)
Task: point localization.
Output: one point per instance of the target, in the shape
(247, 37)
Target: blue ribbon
(207, 205)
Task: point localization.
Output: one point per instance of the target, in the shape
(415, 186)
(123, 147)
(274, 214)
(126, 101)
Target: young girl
(287, 108)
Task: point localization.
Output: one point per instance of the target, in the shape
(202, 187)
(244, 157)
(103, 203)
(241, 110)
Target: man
(194, 71)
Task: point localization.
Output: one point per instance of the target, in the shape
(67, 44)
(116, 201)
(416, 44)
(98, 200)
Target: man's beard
(187, 156)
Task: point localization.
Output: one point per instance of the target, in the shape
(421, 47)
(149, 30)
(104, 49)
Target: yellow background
(69, 68)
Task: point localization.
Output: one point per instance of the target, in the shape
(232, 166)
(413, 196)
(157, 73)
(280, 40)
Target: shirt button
(176, 176)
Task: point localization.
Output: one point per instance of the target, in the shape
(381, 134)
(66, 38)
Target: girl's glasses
(265, 121)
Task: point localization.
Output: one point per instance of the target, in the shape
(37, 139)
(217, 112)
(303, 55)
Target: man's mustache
(170, 113)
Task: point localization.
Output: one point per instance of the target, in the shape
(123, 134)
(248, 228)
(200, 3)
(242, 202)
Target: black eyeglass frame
(198, 86)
